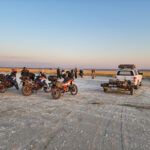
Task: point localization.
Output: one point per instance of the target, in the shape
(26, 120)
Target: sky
(69, 33)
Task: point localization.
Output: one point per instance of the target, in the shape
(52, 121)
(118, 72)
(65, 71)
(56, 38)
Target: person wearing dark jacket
(31, 76)
(81, 73)
(76, 71)
(67, 76)
(58, 73)
(63, 73)
(72, 74)
(24, 75)
(25, 72)
(93, 73)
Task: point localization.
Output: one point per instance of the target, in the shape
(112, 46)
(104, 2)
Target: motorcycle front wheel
(26, 90)
(56, 93)
(74, 89)
(2, 88)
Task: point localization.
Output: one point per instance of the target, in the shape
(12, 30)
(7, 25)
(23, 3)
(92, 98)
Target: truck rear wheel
(137, 86)
(140, 84)
(132, 91)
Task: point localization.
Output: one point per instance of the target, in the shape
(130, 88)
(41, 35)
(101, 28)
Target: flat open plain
(91, 120)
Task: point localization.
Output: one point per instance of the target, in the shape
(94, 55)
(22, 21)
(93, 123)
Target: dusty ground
(92, 120)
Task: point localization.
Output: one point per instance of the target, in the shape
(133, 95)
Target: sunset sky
(68, 33)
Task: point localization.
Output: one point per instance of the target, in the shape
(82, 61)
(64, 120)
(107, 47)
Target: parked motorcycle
(7, 81)
(58, 88)
(30, 86)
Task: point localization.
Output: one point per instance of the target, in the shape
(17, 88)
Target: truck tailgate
(122, 78)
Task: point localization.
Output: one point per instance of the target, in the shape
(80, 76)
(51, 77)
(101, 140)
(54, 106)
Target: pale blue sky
(83, 33)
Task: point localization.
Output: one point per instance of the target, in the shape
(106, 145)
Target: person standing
(72, 74)
(69, 74)
(25, 72)
(58, 73)
(63, 73)
(76, 71)
(93, 73)
(24, 75)
(81, 73)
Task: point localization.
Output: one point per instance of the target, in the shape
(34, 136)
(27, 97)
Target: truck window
(125, 73)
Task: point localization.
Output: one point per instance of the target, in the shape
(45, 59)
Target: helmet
(14, 70)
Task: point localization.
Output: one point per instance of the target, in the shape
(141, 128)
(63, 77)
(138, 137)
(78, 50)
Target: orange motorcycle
(58, 88)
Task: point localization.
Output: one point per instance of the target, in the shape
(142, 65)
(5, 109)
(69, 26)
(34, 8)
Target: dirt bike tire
(26, 90)
(2, 88)
(56, 93)
(74, 89)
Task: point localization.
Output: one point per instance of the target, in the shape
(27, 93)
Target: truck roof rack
(126, 66)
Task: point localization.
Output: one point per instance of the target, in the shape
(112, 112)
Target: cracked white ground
(91, 120)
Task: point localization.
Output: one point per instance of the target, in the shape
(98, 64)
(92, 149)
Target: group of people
(60, 73)
(72, 73)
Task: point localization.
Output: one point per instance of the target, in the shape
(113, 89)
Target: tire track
(108, 124)
(58, 124)
(51, 131)
(101, 124)
(34, 144)
(123, 139)
(124, 142)
(112, 135)
(2, 113)
(121, 132)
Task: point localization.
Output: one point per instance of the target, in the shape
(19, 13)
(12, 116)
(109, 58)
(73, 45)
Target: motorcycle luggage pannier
(59, 84)
(2, 77)
(52, 78)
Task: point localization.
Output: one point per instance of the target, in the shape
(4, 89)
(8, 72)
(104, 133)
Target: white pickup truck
(129, 72)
